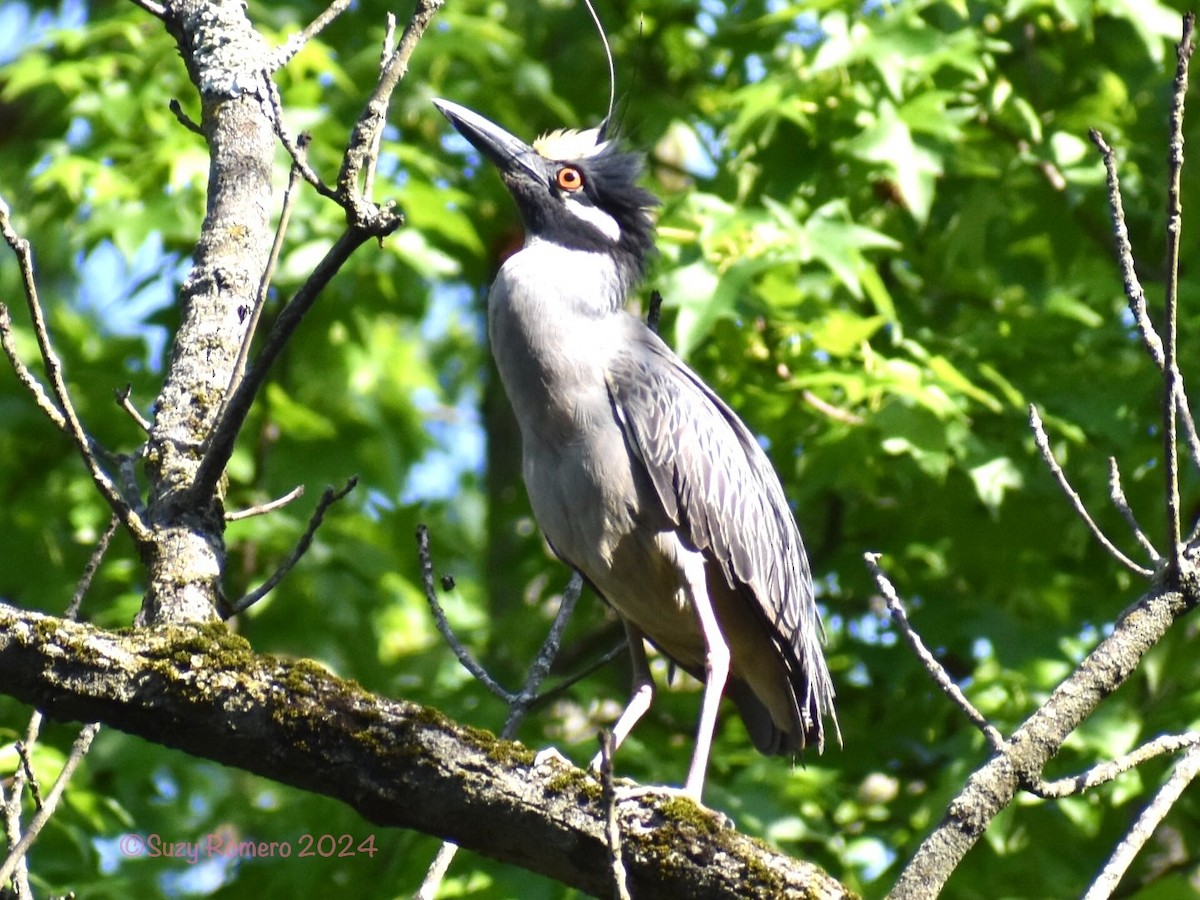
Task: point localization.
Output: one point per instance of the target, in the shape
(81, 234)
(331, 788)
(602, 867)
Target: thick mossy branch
(203, 690)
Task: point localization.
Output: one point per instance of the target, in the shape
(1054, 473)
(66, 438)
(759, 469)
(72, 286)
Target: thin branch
(297, 149)
(994, 738)
(829, 410)
(1107, 771)
(283, 55)
(12, 831)
(155, 9)
(224, 435)
(389, 41)
(123, 399)
(262, 509)
(1117, 493)
(373, 118)
(620, 878)
(329, 497)
(1043, 445)
(562, 686)
(436, 873)
(1110, 876)
(78, 750)
(1134, 292)
(27, 379)
(264, 284)
(523, 701)
(443, 626)
(12, 805)
(183, 118)
(89, 571)
(519, 703)
(1172, 387)
(24, 755)
(58, 385)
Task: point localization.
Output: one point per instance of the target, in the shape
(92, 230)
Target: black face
(590, 202)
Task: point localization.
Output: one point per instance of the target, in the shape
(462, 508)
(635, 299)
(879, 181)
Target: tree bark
(204, 691)
(227, 61)
(1025, 755)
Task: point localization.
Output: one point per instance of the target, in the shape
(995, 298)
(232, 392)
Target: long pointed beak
(504, 150)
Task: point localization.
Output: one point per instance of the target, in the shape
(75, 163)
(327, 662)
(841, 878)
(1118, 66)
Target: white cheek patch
(578, 206)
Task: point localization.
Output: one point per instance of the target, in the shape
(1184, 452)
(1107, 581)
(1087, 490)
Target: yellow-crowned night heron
(639, 475)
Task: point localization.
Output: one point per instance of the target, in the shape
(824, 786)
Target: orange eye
(569, 178)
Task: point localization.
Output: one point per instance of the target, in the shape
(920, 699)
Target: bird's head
(572, 188)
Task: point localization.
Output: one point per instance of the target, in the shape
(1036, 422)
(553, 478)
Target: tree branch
(201, 690)
(1173, 395)
(283, 55)
(1043, 445)
(935, 669)
(1110, 876)
(328, 498)
(1135, 293)
(992, 787)
(364, 139)
(1107, 771)
(79, 750)
(67, 418)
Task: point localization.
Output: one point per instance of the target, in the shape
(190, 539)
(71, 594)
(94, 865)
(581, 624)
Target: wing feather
(716, 484)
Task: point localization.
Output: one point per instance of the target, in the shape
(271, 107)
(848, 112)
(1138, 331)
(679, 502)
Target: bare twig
(896, 609)
(220, 445)
(389, 43)
(89, 571)
(1110, 876)
(17, 853)
(364, 137)
(562, 686)
(329, 497)
(123, 398)
(297, 149)
(620, 879)
(283, 55)
(58, 385)
(1173, 389)
(1107, 771)
(1136, 295)
(443, 626)
(183, 118)
(1043, 445)
(12, 805)
(523, 701)
(1117, 494)
(829, 410)
(12, 831)
(1134, 292)
(436, 873)
(519, 703)
(25, 754)
(27, 379)
(264, 284)
(264, 508)
(155, 9)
